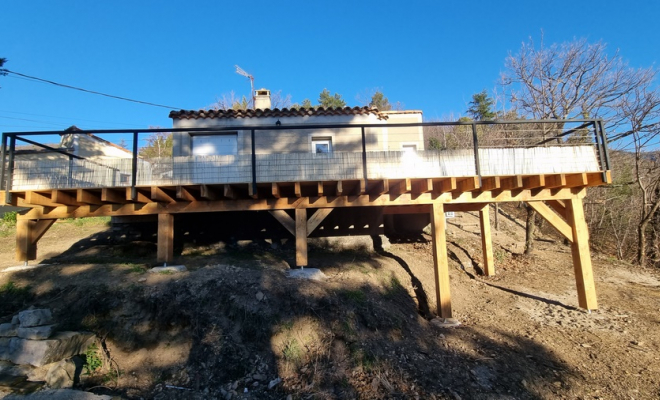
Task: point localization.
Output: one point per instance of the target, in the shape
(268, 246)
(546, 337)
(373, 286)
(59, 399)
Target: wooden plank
(534, 181)
(301, 237)
(297, 190)
(209, 193)
(88, 197)
(596, 178)
(319, 189)
(139, 198)
(183, 193)
(39, 199)
(546, 212)
(315, 220)
(275, 190)
(340, 189)
(447, 185)
(486, 240)
(113, 196)
(361, 187)
(62, 197)
(467, 184)
(422, 185)
(559, 206)
(440, 262)
(399, 187)
(555, 181)
(165, 250)
(576, 180)
(28, 233)
(584, 278)
(490, 183)
(229, 192)
(464, 207)
(160, 195)
(511, 183)
(252, 191)
(285, 219)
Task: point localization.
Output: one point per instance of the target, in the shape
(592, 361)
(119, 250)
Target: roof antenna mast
(241, 71)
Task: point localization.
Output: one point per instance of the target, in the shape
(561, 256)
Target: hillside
(234, 322)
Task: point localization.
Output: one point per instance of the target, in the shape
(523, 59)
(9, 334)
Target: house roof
(275, 113)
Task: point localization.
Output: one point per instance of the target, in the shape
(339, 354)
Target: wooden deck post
(486, 241)
(28, 233)
(439, 245)
(301, 237)
(165, 251)
(584, 277)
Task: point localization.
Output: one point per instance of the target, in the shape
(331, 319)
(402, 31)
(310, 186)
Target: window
(321, 145)
(214, 145)
(409, 148)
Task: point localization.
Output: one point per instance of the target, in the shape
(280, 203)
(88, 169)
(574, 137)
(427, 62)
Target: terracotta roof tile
(275, 113)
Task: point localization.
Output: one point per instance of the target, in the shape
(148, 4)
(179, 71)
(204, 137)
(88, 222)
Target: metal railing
(373, 146)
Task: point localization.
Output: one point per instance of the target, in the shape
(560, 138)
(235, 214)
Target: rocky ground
(234, 325)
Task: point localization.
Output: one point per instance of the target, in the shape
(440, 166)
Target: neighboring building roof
(275, 113)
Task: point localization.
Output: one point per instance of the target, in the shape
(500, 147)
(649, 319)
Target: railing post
(69, 178)
(364, 157)
(475, 143)
(254, 162)
(603, 139)
(601, 149)
(10, 169)
(4, 160)
(134, 167)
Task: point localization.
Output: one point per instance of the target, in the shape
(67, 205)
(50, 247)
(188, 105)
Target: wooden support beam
(584, 278)
(28, 233)
(511, 183)
(467, 184)
(486, 240)
(139, 198)
(361, 187)
(419, 209)
(340, 188)
(39, 199)
(165, 250)
(285, 219)
(301, 237)
(315, 220)
(252, 191)
(88, 197)
(158, 194)
(275, 190)
(297, 190)
(440, 261)
(378, 187)
(555, 181)
(490, 183)
(446, 185)
(319, 189)
(422, 186)
(534, 181)
(554, 220)
(62, 197)
(399, 187)
(559, 207)
(229, 192)
(209, 193)
(113, 196)
(463, 207)
(576, 180)
(185, 194)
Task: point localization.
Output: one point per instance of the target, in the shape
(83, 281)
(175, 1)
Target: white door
(214, 145)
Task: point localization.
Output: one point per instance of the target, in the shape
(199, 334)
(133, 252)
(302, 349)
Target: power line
(89, 91)
(68, 118)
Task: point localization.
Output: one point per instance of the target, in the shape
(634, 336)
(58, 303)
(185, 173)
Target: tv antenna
(241, 71)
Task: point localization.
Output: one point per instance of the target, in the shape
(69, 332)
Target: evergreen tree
(379, 101)
(481, 107)
(329, 101)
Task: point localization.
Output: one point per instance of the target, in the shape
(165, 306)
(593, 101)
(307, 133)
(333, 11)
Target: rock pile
(33, 352)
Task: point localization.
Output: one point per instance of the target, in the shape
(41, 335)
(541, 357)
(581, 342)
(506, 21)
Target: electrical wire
(68, 118)
(89, 91)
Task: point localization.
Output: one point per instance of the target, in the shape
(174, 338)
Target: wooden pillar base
(165, 251)
(584, 277)
(440, 263)
(28, 233)
(486, 241)
(301, 237)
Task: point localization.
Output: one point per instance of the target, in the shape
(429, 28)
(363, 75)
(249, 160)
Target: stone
(258, 377)
(36, 332)
(260, 296)
(4, 347)
(274, 383)
(168, 269)
(445, 322)
(36, 317)
(59, 394)
(313, 274)
(14, 320)
(61, 375)
(41, 352)
(8, 329)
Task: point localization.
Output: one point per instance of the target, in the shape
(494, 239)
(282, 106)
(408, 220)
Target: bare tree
(570, 80)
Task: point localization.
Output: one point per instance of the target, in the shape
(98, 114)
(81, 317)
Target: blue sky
(428, 55)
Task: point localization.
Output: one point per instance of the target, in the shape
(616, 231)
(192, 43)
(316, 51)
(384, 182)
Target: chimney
(262, 99)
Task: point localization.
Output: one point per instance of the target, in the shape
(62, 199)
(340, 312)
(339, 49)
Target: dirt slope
(234, 323)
